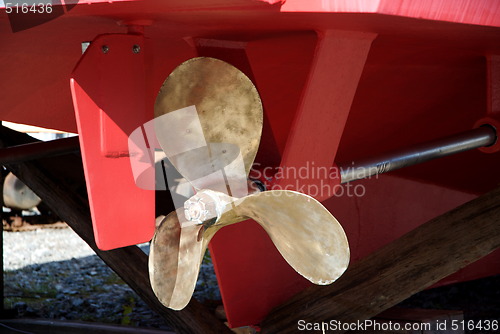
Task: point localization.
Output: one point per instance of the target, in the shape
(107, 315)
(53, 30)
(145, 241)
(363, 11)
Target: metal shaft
(482, 136)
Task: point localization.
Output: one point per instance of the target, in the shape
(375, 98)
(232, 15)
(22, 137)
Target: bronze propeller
(208, 121)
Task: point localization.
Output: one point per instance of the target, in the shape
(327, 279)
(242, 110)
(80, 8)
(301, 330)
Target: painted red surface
(400, 73)
(108, 91)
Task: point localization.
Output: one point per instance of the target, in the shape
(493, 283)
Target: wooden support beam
(409, 264)
(59, 182)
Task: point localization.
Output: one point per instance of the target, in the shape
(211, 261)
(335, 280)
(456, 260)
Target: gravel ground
(52, 273)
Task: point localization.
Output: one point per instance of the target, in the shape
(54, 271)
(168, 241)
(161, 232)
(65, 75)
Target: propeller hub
(202, 207)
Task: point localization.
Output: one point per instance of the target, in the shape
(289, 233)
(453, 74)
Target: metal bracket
(109, 96)
(319, 121)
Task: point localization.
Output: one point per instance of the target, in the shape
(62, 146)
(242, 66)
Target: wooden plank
(60, 184)
(409, 264)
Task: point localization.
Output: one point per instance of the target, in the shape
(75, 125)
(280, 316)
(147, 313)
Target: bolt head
(200, 208)
(105, 49)
(136, 48)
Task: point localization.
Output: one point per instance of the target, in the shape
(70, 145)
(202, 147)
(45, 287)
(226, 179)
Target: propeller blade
(204, 105)
(306, 234)
(175, 258)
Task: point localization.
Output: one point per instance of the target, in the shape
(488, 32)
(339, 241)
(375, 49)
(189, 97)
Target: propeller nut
(201, 207)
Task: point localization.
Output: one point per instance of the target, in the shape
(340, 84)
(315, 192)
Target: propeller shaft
(480, 137)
